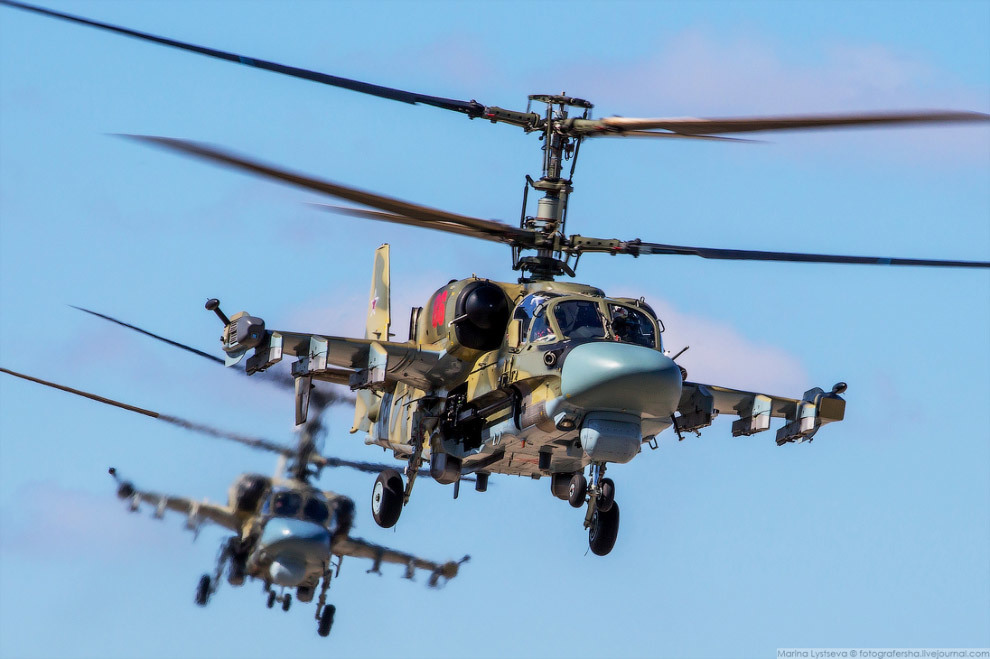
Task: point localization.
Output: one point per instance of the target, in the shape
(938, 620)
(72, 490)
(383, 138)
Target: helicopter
(539, 378)
(287, 533)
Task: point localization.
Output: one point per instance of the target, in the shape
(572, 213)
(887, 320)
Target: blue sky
(877, 534)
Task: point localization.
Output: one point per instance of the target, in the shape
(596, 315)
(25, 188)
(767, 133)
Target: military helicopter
(286, 531)
(540, 377)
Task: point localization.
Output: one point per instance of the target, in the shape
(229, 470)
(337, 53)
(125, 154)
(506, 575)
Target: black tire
(559, 485)
(386, 498)
(287, 601)
(604, 530)
(203, 590)
(577, 490)
(606, 495)
(235, 572)
(271, 599)
(326, 620)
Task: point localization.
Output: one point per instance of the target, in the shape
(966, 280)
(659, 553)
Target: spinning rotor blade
(689, 126)
(181, 346)
(254, 442)
(408, 212)
(470, 108)
(321, 398)
(439, 226)
(637, 248)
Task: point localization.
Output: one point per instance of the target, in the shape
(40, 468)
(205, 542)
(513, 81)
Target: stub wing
(701, 403)
(379, 554)
(196, 512)
(359, 363)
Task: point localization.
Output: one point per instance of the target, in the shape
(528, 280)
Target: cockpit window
(526, 309)
(542, 331)
(632, 326)
(316, 511)
(579, 319)
(286, 504)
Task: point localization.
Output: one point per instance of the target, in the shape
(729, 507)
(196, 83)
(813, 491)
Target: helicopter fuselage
(548, 374)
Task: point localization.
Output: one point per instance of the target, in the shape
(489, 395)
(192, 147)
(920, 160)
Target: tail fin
(378, 302)
(368, 403)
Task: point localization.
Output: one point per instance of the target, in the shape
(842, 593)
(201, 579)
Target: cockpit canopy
(549, 317)
(311, 506)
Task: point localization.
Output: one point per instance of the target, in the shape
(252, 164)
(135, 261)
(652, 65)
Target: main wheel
(577, 490)
(606, 495)
(386, 498)
(271, 599)
(286, 602)
(326, 620)
(203, 590)
(604, 529)
(559, 484)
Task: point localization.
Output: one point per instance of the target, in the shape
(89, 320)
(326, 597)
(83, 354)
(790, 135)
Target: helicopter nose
(621, 377)
(296, 546)
(287, 570)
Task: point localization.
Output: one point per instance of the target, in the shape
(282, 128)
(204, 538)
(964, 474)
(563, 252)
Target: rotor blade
(636, 248)
(388, 204)
(471, 108)
(650, 133)
(321, 398)
(254, 442)
(182, 346)
(693, 126)
(499, 237)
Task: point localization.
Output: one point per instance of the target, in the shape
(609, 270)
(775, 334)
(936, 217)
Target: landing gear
(271, 599)
(603, 530)
(577, 490)
(602, 518)
(326, 620)
(203, 590)
(606, 495)
(386, 498)
(287, 601)
(324, 611)
(560, 485)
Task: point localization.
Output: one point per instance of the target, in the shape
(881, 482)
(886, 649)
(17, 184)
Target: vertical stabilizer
(368, 402)
(378, 302)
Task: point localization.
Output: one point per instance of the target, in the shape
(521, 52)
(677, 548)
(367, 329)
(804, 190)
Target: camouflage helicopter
(287, 532)
(540, 377)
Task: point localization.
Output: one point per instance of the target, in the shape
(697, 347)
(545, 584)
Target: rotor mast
(551, 210)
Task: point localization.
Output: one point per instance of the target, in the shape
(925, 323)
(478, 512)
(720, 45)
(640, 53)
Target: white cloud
(701, 73)
(719, 354)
